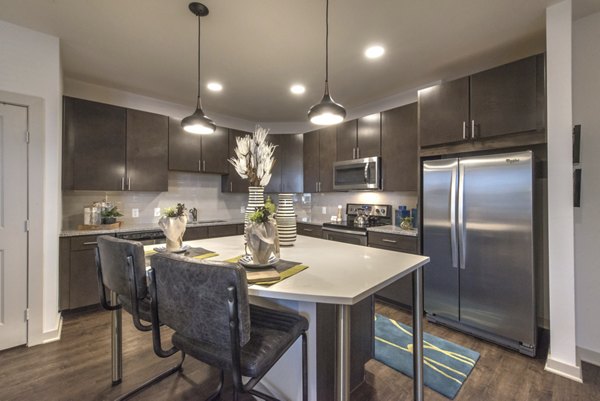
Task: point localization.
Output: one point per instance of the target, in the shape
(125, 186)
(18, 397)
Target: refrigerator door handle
(453, 241)
(461, 219)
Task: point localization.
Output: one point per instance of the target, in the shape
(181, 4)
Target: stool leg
(116, 340)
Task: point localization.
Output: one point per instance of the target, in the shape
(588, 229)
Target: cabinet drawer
(222, 231)
(84, 242)
(194, 233)
(310, 230)
(394, 242)
(240, 229)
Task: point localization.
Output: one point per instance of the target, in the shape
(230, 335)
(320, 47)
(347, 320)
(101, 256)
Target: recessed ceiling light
(374, 51)
(297, 89)
(214, 86)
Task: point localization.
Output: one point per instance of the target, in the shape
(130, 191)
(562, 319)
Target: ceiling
(258, 48)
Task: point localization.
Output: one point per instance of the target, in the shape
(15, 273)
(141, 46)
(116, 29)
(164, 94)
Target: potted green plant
(173, 222)
(109, 215)
(261, 234)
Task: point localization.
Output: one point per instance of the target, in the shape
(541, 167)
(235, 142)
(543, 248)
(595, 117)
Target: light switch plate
(135, 212)
(156, 212)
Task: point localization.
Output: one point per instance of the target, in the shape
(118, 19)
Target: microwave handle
(367, 172)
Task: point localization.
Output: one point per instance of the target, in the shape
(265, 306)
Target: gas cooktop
(378, 215)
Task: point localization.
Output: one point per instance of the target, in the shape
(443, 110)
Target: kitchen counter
(394, 230)
(314, 221)
(127, 228)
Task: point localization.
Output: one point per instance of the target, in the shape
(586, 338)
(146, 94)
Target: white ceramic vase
(286, 220)
(256, 198)
(262, 241)
(174, 228)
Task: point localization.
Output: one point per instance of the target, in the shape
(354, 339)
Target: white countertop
(338, 273)
(394, 230)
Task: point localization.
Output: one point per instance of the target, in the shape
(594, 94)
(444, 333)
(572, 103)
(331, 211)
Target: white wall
(562, 358)
(30, 65)
(586, 108)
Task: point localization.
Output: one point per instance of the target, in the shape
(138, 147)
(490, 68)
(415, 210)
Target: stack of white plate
(286, 220)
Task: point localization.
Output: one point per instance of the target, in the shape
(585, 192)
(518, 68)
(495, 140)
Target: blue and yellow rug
(447, 365)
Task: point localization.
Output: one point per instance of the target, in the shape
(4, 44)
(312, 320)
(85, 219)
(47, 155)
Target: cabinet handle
(122, 183)
(391, 241)
(308, 229)
(317, 186)
(90, 243)
(231, 186)
(354, 153)
(129, 183)
(203, 165)
(472, 129)
(464, 130)
(199, 165)
(357, 152)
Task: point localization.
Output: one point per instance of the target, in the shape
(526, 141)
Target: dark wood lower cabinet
(310, 230)
(194, 233)
(361, 345)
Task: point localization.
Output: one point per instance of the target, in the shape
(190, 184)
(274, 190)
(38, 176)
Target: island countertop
(338, 273)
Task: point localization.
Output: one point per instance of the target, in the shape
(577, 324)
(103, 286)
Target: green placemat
(285, 268)
(196, 253)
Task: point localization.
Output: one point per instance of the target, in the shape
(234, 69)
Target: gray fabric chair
(121, 270)
(206, 303)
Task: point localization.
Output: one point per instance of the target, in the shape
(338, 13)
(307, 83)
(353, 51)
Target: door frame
(36, 201)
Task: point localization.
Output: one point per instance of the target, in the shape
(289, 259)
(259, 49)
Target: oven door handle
(337, 230)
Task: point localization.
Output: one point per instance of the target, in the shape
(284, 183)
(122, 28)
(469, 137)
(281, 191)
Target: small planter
(174, 228)
(262, 241)
(109, 220)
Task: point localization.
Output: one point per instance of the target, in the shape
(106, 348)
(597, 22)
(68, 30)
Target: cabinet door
(327, 145)
(274, 185)
(399, 148)
(369, 136)
(95, 145)
(83, 281)
(504, 99)
(232, 182)
(184, 148)
(310, 150)
(346, 140)
(195, 233)
(215, 149)
(147, 151)
(291, 174)
(443, 110)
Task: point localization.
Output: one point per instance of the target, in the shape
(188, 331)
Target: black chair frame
(137, 322)
(238, 386)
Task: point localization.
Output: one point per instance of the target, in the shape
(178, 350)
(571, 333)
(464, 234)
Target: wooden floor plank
(78, 368)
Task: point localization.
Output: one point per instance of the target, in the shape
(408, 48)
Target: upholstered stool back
(114, 253)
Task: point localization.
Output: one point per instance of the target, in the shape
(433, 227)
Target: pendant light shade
(198, 123)
(327, 111)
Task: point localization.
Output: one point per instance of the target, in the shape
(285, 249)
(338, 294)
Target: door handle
(453, 242)
(461, 218)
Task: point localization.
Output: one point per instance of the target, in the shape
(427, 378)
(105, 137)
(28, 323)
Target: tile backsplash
(203, 191)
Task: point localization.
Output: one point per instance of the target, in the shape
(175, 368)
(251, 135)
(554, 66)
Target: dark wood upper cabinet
(292, 172)
(346, 140)
(444, 112)
(147, 151)
(232, 182)
(274, 185)
(184, 148)
(399, 148)
(94, 146)
(310, 150)
(215, 149)
(327, 150)
(504, 99)
(369, 136)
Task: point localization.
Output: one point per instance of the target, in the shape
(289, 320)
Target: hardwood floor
(78, 368)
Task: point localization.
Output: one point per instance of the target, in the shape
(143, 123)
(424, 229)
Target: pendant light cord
(198, 103)
(327, 47)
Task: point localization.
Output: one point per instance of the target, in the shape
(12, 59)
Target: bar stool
(121, 271)
(206, 303)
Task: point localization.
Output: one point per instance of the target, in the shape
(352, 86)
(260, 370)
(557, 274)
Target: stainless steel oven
(357, 174)
(347, 236)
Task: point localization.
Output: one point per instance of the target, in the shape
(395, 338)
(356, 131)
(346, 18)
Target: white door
(13, 234)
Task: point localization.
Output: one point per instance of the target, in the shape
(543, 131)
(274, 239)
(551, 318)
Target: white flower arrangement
(254, 159)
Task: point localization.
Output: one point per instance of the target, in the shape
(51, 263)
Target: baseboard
(589, 356)
(53, 335)
(572, 372)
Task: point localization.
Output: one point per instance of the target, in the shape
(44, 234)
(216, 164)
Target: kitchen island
(339, 275)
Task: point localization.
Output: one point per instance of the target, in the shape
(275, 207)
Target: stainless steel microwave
(357, 174)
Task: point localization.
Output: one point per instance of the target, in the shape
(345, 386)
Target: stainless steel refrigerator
(478, 231)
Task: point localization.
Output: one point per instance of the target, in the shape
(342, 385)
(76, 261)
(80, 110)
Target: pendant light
(327, 112)
(198, 123)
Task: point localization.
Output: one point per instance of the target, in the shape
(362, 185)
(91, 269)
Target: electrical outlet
(324, 210)
(242, 209)
(135, 212)
(156, 212)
